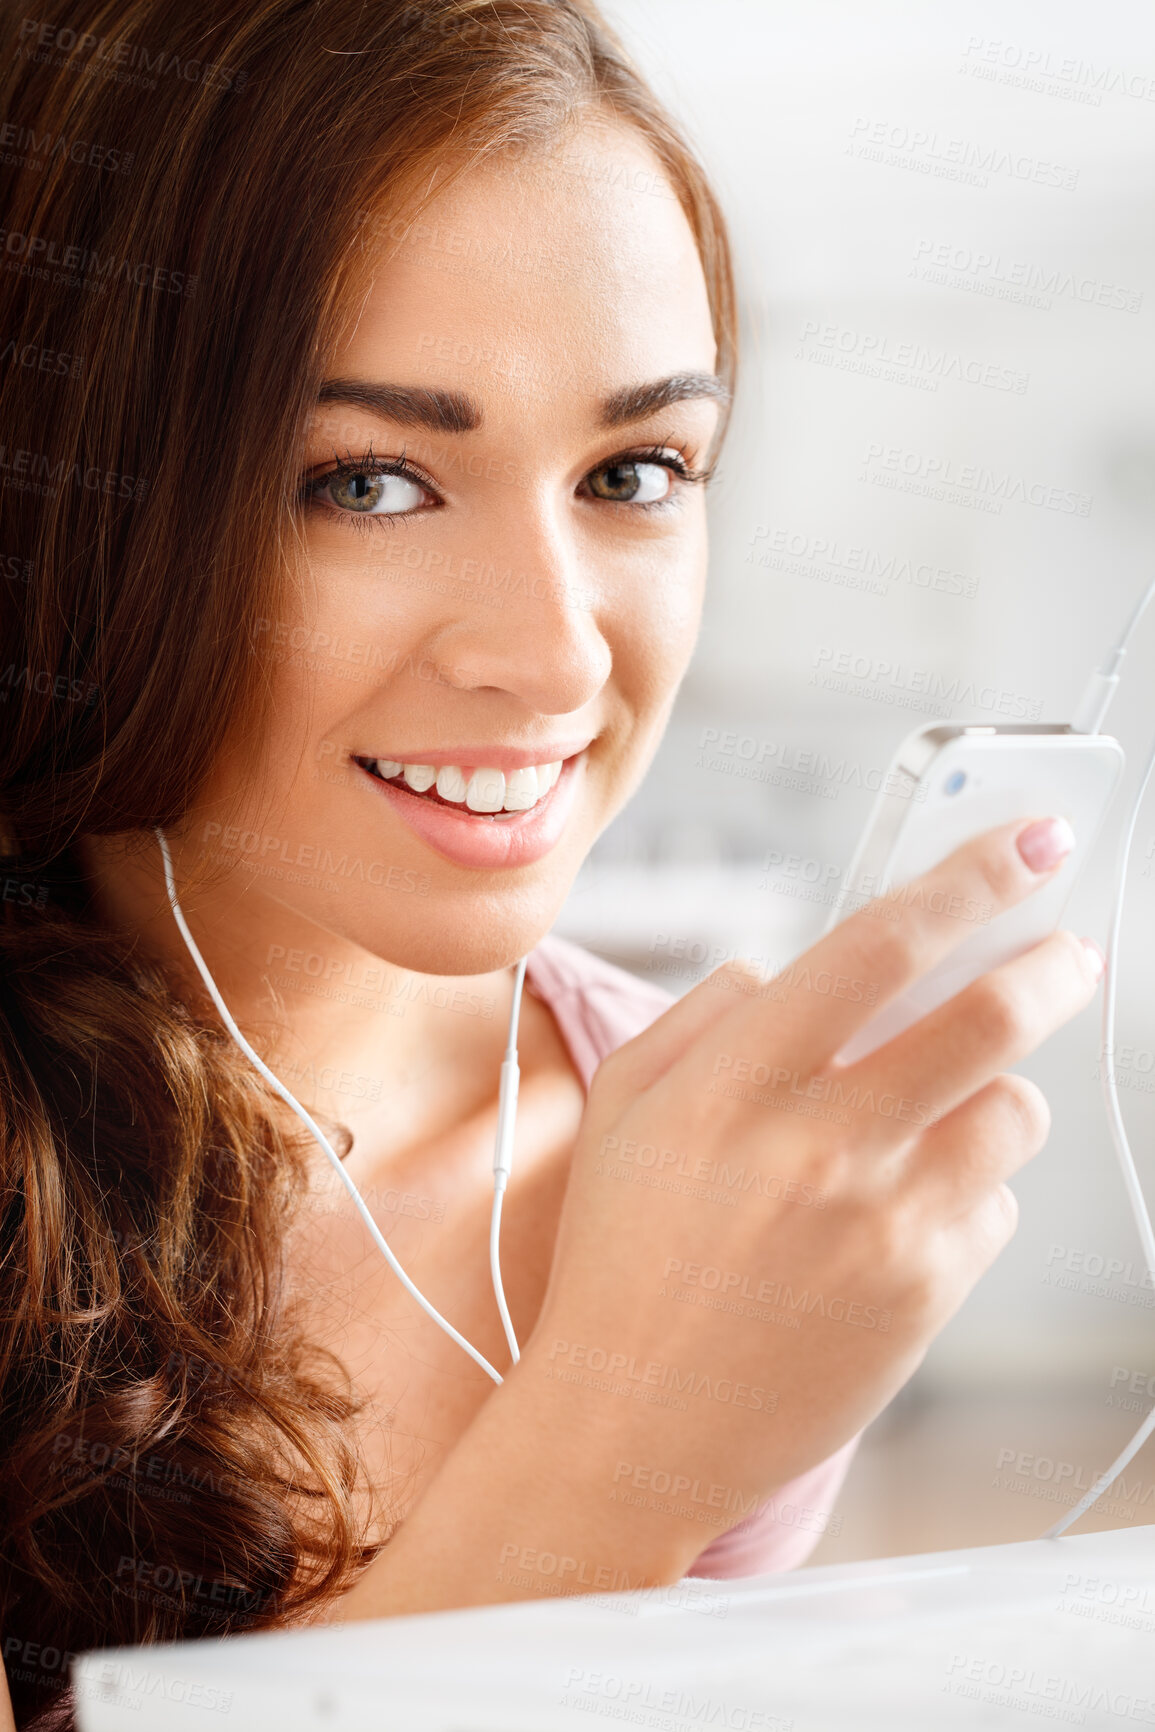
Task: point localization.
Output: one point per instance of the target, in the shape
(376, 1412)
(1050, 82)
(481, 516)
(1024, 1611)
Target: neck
(366, 1040)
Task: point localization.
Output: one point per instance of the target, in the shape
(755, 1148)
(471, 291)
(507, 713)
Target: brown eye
(631, 483)
(364, 493)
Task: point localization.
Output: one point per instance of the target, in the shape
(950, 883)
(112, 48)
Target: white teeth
(523, 789)
(450, 783)
(486, 790)
(420, 777)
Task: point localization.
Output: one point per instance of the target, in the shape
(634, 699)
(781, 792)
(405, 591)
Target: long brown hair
(181, 215)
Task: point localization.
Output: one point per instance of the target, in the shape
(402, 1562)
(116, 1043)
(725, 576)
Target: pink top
(597, 1007)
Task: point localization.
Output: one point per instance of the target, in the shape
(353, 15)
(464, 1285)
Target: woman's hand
(758, 1244)
(756, 1247)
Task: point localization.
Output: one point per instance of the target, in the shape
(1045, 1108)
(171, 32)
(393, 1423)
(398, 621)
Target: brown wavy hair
(181, 212)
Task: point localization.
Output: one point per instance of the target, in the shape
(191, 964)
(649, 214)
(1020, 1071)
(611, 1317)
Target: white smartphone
(948, 783)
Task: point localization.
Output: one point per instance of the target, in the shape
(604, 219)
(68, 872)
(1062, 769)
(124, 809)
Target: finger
(962, 1250)
(970, 1154)
(873, 956)
(995, 1021)
(638, 1062)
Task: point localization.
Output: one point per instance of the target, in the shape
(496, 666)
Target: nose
(535, 628)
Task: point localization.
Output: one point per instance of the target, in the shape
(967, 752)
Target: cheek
(322, 658)
(350, 629)
(658, 626)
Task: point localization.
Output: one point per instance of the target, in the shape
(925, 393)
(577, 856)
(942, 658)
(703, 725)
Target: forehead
(572, 259)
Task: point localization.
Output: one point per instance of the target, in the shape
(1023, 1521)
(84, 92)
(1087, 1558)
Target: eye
(384, 494)
(629, 481)
(368, 491)
(649, 479)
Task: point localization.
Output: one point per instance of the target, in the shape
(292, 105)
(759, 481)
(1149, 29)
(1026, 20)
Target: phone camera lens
(955, 782)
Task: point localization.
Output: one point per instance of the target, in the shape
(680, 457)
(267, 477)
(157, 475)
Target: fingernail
(1098, 960)
(1044, 843)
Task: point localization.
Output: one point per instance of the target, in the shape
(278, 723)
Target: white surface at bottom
(1058, 1632)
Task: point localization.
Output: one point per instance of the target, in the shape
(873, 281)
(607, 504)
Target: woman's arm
(521, 1509)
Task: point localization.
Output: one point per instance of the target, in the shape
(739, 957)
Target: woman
(365, 374)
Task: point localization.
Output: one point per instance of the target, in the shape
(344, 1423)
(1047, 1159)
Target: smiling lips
(486, 791)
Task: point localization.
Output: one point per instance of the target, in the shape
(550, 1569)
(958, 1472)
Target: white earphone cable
(503, 1156)
(312, 1125)
(1119, 1136)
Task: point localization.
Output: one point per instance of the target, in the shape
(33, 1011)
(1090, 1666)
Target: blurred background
(942, 460)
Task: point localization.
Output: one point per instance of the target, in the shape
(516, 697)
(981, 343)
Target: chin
(447, 935)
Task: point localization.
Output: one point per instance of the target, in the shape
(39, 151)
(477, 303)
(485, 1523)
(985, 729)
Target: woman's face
(534, 363)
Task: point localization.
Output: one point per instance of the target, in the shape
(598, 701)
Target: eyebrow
(455, 412)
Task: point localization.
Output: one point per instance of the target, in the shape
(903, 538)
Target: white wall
(836, 236)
